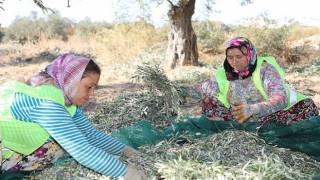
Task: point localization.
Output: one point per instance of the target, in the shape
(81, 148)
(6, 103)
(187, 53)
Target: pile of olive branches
(158, 102)
(231, 154)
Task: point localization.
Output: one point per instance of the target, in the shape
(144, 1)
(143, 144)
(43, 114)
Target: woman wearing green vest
(41, 119)
(252, 88)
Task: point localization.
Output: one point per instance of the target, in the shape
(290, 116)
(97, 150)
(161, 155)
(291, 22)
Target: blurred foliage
(120, 41)
(211, 35)
(31, 28)
(280, 41)
(128, 39)
(56, 27)
(1, 35)
(86, 28)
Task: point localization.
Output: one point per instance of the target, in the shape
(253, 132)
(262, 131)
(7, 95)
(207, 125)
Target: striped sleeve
(96, 137)
(57, 121)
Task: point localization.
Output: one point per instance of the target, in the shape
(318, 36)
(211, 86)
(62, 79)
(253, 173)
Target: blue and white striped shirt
(89, 146)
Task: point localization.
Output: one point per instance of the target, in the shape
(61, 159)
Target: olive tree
(182, 40)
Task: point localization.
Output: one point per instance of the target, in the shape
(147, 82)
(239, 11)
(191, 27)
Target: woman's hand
(136, 161)
(134, 174)
(130, 152)
(242, 111)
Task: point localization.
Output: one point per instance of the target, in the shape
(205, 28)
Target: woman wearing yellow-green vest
(250, 88)
(41, 119)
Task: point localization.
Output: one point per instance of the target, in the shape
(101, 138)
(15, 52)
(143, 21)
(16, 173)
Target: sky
(226, 11)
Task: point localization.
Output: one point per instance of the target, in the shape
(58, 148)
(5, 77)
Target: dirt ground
(309, 85)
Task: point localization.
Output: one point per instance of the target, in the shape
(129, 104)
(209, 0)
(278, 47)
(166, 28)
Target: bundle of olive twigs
(157, 84)
(158, 102)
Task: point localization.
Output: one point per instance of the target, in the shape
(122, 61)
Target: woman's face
(237, 59)
(86, 88)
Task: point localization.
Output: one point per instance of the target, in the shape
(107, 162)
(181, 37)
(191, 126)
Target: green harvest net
(303, 136)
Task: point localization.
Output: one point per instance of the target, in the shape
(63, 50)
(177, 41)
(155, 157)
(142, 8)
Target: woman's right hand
(242, 111)
(134, 174)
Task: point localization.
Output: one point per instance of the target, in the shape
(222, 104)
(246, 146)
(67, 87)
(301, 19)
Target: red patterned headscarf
(251, 54)
(65, 73)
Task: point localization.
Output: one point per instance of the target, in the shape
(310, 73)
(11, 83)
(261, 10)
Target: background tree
(31, 29)
(17, 31)
(182, 41)
(58, 26)
(1, 2)
(86, 28)
(40, 4)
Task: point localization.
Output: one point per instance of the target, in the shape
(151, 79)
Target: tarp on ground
(303, 136)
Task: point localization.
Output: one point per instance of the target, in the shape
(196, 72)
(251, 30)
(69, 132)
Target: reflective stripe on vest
(19, 136)
(292, 96)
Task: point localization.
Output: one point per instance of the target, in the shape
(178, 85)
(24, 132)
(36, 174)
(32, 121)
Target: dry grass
(124, 41)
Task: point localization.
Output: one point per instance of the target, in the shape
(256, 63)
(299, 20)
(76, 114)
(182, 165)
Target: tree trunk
(182, 41)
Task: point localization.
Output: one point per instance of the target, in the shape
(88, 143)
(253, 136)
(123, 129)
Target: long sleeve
(208, 88)
(96, 137)
(70, 135)
(275, 90)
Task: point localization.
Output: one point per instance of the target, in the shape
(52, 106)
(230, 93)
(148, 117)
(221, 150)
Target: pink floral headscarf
(244, 42)
(251, 54)
(65, 72)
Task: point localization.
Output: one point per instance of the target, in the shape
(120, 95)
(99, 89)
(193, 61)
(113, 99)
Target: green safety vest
(292, 96)
(19, 136)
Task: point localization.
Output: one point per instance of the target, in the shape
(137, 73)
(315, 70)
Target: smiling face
(86, 88)
(237, 59)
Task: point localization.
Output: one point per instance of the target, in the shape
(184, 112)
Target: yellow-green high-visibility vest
(19, 136)
(292, 96)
